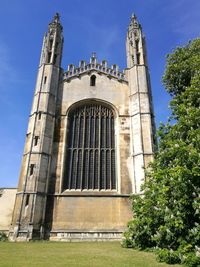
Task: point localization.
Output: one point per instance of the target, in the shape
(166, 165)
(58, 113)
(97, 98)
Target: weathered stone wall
(7, 199)
(107, 90)
(98, 213)
(89, 214)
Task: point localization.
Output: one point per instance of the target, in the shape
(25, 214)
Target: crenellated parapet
(102, 67)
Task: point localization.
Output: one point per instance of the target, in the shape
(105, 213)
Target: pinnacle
(57, 17)
(133, 16)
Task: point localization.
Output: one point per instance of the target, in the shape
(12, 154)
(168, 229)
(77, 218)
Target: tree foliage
(167, 215)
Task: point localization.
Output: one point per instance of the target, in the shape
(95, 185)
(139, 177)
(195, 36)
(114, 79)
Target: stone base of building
(67, 236)
(25, 235)
(78, 236)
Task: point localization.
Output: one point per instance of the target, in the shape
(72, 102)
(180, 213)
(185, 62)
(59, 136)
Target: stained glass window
(90, 151)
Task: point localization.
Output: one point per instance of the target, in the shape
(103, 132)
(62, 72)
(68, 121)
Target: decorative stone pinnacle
(57, 18)
(93, 54)
(134, 22)
(56, 21)
(133, 16)
(134, 19)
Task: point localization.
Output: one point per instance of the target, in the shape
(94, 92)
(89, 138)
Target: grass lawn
(85, 254)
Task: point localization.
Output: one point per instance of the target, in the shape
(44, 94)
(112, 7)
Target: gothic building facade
(90, 136)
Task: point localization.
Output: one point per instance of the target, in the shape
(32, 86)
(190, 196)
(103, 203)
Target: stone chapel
(90, 136)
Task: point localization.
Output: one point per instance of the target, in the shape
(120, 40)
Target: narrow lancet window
(49, 57)
(51, 44)
(32, 169)
(137, 45)
(27, 200)
(93, 80)
(45, 79)
(138, 58)
(54, 59)
(39, 115)
(36, 140)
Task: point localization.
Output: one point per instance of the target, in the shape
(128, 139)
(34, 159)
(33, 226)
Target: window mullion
(83, 146)
(77, 152)
(73, 173)
(93, 148)
(72, 149)
(89, 140)
(70, 167)
(110, 133)
(105, 145)
(73, 131)
(99, 148)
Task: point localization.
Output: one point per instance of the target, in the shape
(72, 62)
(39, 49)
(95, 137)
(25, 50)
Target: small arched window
(93, 80)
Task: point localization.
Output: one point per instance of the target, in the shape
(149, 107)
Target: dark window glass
(54, 59)
(93, 80)
(27, 199)
(90, 151)
(49, 57)
(51, 44)
(39, 115)
(32, 169)
(36, 140)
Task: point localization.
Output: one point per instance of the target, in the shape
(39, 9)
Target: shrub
(3, 237)
(191, 260)
(166, 215)
(168, 256)
(126, 243)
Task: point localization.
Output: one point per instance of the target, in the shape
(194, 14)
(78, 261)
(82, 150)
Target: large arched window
(90, 151)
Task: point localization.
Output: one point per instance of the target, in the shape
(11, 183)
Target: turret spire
(135, 44)
(57, 17)
(53, 43)
(56, 20)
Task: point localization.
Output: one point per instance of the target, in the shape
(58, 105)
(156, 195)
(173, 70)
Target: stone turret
(135, 44)
(53, 43)
(140, 98)
(30, 204)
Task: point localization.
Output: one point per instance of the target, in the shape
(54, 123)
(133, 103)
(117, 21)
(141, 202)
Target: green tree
(167, 215)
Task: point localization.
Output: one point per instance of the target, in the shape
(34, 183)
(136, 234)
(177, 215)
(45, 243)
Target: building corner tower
(30, 205)
(142, 127)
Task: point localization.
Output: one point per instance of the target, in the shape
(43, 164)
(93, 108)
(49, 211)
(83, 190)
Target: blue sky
(89, 25)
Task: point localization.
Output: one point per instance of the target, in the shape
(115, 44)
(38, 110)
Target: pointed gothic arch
(90, 162)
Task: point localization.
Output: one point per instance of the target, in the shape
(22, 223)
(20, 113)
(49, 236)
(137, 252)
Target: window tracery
(90, 161)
